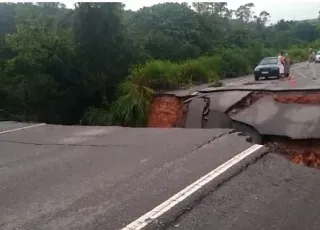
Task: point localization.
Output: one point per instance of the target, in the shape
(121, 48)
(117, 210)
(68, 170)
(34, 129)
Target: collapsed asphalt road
(273, 193)
(73, 177)
(277, 108)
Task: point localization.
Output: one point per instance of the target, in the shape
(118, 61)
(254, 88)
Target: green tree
(57, 64)
(244, 12)
(102, 47)
(33, 76)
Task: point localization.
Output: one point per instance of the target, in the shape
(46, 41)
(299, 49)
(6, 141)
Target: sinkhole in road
(171, 111)
(299, 151)
(303, 151)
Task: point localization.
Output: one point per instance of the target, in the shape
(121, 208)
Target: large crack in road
(283, 115)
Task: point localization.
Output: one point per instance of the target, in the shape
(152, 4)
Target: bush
(298, 54)
(165, 75)
(154, 73)
(96, 116)
(135, 94)
(130, 109)
(212, 63)
(216, 83)
(132, 106)
(194, 72)
(234, 63)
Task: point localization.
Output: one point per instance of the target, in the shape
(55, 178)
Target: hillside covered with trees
(100, 64)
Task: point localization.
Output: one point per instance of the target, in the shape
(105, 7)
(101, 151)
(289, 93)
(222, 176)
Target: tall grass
(130, 109)
(97, 116)
(165, 75)
(132, 106)
(301, 53)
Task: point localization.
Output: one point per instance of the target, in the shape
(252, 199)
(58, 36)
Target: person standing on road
(312, 58)
(287, 66)
(312, 55)
(281, 64)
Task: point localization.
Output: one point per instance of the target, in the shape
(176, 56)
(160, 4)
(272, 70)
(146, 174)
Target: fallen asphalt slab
(270, 194)
(268, 117)
(222, 101)
(72, 177)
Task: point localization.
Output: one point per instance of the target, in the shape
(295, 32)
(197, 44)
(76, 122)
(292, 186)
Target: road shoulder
(270, 194)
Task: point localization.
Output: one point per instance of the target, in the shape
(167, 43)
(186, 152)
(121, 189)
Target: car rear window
(318, 53)
(269, 61)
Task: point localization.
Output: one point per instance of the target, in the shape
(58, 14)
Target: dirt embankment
(304, 152)
(165, 112)
(298, 98)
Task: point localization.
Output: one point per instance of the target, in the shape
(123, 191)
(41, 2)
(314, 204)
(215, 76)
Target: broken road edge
(181, 203)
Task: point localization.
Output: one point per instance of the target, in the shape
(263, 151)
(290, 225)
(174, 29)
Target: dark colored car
(317, 57)
(268, 67)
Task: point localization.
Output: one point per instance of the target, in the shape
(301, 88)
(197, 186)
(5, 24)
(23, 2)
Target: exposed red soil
(310, 159)
(182, 120)
(282, 97)
(298, 98)
(166, 111)
(304, 152)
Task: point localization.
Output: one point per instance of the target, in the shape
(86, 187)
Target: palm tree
(132, 106)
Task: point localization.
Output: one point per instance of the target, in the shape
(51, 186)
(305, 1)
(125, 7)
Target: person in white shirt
(281, 64)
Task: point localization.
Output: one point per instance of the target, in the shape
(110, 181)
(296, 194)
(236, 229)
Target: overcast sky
(289, 10)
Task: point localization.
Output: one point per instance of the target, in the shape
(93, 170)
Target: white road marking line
(309, 78)
(306, 64)
(183, 194)
(22, 128)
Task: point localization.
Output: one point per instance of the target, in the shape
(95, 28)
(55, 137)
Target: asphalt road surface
(304, 74)
(73, 177)
(271, 194)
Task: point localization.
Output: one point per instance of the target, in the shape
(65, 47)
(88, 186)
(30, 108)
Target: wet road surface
(272, 194)
(72, 177)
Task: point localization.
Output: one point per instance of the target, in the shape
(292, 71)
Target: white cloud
(289, 10)
(286, 9)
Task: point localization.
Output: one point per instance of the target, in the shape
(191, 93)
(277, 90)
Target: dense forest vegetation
(100, 64)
